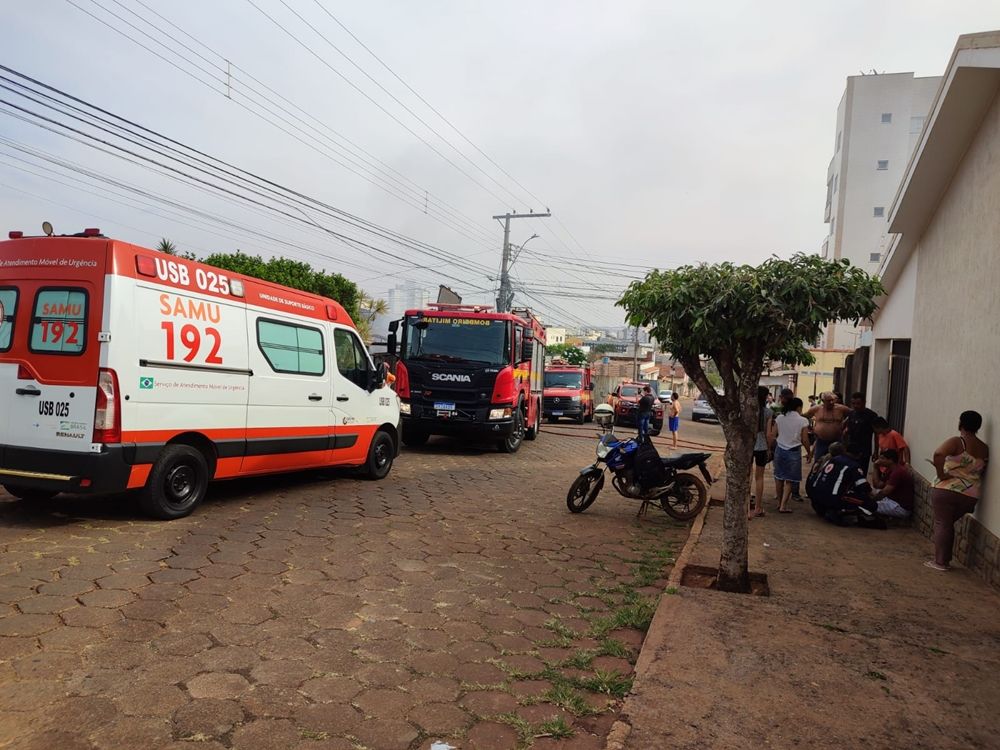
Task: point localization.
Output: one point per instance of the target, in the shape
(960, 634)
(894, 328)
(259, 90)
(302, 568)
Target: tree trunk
(733, 563)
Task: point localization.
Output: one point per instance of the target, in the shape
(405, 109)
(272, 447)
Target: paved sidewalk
(859, 645)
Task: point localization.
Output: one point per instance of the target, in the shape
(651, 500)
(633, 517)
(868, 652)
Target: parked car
(702, 409)
(665, 397)
(625, 401)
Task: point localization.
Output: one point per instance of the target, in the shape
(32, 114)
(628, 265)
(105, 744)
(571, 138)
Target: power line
(411, 199)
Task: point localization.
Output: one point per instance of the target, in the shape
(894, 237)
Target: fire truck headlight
(500, 413)
(575, 399)
(404, 408)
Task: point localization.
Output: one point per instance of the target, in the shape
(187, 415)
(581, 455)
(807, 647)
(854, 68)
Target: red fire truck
(467, 370)
(568, 392)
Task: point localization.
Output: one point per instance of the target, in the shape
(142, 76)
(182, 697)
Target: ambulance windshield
(471, 340)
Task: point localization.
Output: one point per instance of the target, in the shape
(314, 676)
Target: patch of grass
(935, 650)
(875, 675)
(468, 687)
(672, 590)
(559, 629)
(614, 647)
(609, 683)
(525, 732)
(580, 660)
(635, 614)
(308, 734)
(564, 695)
(557, 728)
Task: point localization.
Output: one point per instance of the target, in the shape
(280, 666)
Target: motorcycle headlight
(603, 449)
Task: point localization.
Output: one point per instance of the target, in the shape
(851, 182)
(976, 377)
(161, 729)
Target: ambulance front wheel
(177, 483)
(380, 455)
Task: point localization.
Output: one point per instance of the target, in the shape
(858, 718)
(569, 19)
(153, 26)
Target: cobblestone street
(458, 600)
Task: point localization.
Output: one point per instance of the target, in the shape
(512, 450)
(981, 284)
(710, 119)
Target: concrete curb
(657, 632)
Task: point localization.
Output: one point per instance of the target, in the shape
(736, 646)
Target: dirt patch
(704, 577)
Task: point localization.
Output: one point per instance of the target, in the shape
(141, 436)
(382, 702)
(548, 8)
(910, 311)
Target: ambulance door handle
(28, 392)
(315, 397)
(343, 398)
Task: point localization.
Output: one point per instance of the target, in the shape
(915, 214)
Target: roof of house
(968, 88)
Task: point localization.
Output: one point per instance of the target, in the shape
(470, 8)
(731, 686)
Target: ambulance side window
(351, 358)
(8, 308)
(291, 348)
(59, 323)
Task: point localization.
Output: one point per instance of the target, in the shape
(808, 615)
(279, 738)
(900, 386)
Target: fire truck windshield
(471, 340)
(564, 380)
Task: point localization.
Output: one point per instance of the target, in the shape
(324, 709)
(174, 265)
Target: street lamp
(521, 247)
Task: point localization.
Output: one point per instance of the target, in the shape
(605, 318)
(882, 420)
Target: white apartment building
(406, 296)
(555, 336)
(878, 125)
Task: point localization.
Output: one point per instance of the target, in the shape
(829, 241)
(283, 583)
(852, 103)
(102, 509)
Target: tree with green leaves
(293, 273)
(574, 355)
(739, 317)
(166, 246)
(369, 308)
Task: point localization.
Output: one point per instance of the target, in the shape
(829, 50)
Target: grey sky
(659, 133)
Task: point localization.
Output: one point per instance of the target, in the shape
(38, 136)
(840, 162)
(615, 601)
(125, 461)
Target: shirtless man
(828, 423)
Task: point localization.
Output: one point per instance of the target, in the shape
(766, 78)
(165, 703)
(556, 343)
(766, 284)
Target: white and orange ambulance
(125, 368)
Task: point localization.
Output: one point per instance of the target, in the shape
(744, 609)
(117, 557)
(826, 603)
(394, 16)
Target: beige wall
(955, 360)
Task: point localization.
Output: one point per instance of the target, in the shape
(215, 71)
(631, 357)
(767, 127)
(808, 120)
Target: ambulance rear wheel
(26, 493)
(177, 483)
(380, 455)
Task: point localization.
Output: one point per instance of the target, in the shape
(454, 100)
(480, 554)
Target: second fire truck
(470, 371)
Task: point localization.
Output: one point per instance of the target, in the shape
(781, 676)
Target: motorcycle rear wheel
(685, 498)
(583, 492)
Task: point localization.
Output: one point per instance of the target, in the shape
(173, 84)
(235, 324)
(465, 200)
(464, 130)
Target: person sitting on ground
(839, 485)
(790, 434)
(889, 439)
(893, 485)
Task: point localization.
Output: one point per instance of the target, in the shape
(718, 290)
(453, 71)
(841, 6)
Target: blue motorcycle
(638, 472)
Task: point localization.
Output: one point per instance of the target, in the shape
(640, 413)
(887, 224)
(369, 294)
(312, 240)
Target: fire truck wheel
(25, 493)
(581, 419)
(532, 432)
(380, 454)
(589, 417)
(512, 442)
(413, 438)
(177, 483)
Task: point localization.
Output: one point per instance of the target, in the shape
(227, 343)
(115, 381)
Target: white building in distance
(878, 125)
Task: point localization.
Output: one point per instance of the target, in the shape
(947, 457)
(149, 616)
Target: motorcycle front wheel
(583, 492)
(685, 498)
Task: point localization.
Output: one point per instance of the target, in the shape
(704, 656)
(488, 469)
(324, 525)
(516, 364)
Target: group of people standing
(843, 442)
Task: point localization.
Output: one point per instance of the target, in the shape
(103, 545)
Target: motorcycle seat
(685, 460)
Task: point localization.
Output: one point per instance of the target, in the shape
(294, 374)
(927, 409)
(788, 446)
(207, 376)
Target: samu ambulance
(125, 368)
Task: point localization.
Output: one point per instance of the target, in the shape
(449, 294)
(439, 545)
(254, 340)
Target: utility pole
(635, 355)
(505, 296)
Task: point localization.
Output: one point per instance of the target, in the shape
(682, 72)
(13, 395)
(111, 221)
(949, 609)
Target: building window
(886, 118)
(916, 125)
(883, 164)
(879, 212)
(875, 257)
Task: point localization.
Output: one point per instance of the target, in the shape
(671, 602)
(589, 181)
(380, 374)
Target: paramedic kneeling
(839, 485)
(893, 485)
